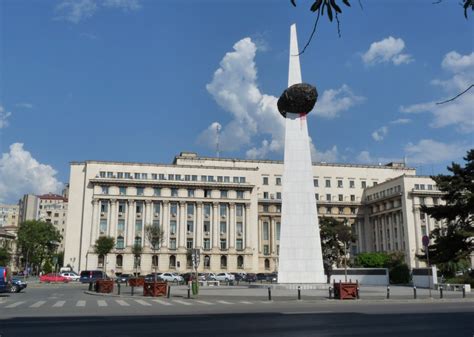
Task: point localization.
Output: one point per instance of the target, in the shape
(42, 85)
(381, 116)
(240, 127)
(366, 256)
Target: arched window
(120, 243)
(189, 260)
(100, 261)
(172, 262)
(207, 262)
(154, 261)
(119, 261)
(138, 241)
(267, 264)
(240, 262)
(223, 261)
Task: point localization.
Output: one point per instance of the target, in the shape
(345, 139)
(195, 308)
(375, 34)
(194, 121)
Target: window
(138, 241)
(173, 227)
(144, 176)
(363, 184)
(190, 193)
(339, 183)
(223, 209)
(161, 176)
(240, 262)
(328, 183)
(100, 261)
(328, 210)
(174, 192)
(223, 227)
(265, 208)
(102, 174)
(173, 209)
(172, 262)
(154, 261)
(207, 244)
(207, 262)
(190, 209)
(422, 201)
(157, 192)
(278, 230)
(105, 190)
(265, 195)
(170, 176)
(422, 186)
(122, 190)
(220, 179)
(341, 210)
(278, 181)
(154, 176)
(239, 210)
(353, 210)
(240, 194)
(430, 187)
(136, 175)
(207, 210)
(435, 201)
(119, 261)
(138, 208)
(156, 208)
(120, 243)
(353, 197)
(239, 227)
(242, 180)
(189, 243)
(235, 179)
(265, 180)
(121, 226)
(223, 262)
(239, 244)
(266, 250)
(340, 197)
(316, 182)
(194, 178)
(140, 190)
(173, 243)
(223, 193)
(328, 197)
(278, 195)
(265, 230)
(223, 244)
(138, 226)
(190, 226)
(278, 208)
(207, 226)
(422, 216)
(351, 184)
(203, 178)
(156, 223)
(103, 226)
(267, 264)
(207, 193)
(178, 177)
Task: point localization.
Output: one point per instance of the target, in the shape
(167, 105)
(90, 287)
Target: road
(47, 310)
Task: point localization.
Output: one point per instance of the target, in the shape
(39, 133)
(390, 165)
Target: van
(88, 276)
(4, 276)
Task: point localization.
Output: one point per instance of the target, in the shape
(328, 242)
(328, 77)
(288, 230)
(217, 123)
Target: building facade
(227, 208)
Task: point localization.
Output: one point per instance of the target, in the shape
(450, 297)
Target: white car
(70, 275)
(224, 277)
(171, 277)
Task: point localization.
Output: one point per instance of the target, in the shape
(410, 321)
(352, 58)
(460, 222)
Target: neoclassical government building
(230, 209)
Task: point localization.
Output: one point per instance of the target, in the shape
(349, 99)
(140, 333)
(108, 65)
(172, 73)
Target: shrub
(400, 274)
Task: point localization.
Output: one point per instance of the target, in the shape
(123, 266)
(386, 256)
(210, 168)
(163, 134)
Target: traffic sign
(425, 240)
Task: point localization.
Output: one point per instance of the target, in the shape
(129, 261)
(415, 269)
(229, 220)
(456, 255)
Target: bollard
(388, 292)
(90, 286)
(358, 296)
(133, 290)
(330, 292)
(463, 291)
(441, 292)
(118, 287)
(169, 292)
(189, 291)
(414, 292)
(299, 293)
(269, 293)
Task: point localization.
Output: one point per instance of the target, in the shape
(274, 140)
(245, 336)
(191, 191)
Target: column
(272, 236)
(165, 222)
(247, 226)
(146, 221)
(198, 225)
(182, 226)
(113, 216)
(95, 220)
(130, 222)
(232, 226)
(215, 225)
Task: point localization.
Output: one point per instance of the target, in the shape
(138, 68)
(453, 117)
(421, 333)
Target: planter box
(136, 282)
(104, 286)
(346, 291)
(155, 289)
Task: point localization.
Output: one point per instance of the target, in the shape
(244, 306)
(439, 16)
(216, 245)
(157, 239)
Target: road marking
(307, 312)
(162, 302)
(122, 303)
(266, 302)
(142, 302)
(245, 302)
(14, 305)
(101, 303)
(81, 303)
(182, 302)
(37, 304)
(224, 302)
(204, 302)
(58, 304)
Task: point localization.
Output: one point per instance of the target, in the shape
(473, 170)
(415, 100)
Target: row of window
(382, 194)
(172, 177)
(120, 243)
(328, 197)
(340, 183)
(174, 192)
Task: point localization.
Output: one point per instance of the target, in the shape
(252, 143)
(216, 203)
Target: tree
(372, 260)
(455, 241)
(155, 236)
(37, 241)
(137, 252)
(103, 245)
(5, 256)
(335, 236)
(394, 261)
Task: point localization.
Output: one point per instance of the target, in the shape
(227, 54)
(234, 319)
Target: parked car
(123, 278)
(151, 277)
(171, 277)
(261, 277)
(53, 278)
(250, 278)
(272, 277)
(225, 277)
(238, 276)
(189, 277)
(91, 276)
(209, 276)
(17, 284)
(70, 275)
(3, 279)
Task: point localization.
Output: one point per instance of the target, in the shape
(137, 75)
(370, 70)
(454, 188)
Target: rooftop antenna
(218, 132)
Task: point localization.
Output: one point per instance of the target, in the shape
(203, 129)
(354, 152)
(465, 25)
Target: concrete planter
(104, 286)
(155, 289)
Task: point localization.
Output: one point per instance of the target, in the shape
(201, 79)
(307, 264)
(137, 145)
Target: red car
(53, 277)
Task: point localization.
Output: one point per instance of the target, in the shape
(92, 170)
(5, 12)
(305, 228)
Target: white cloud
(401, 121)
(24, 105)
(387, 50)
(20, 173)
(458, 113)
(379, 134)
(329, 156)
(364, 157)
(428, 151)
(4, 115)
(78, 10)
(253, 114)
(334, 101)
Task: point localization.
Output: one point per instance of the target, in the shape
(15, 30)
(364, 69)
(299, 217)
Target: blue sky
(142, 80)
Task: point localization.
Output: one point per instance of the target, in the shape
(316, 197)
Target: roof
(52, 196)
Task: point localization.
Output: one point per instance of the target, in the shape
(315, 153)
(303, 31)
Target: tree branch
(462, 93)
(311, 36)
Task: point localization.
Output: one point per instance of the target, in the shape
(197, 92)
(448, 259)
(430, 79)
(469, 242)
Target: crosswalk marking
(182, 302)
(162, 302)
(142, 302)
(122, 303)
(13, 305)
(224, 302)
(101, 303)
(204, 302)
(58, 304)
(37, 304)
(81, 303)
(245, 302)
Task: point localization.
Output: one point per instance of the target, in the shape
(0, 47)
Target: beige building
(9, 215)
(228, 208)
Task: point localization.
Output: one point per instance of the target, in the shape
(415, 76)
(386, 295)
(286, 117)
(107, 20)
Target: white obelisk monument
(300, 260)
